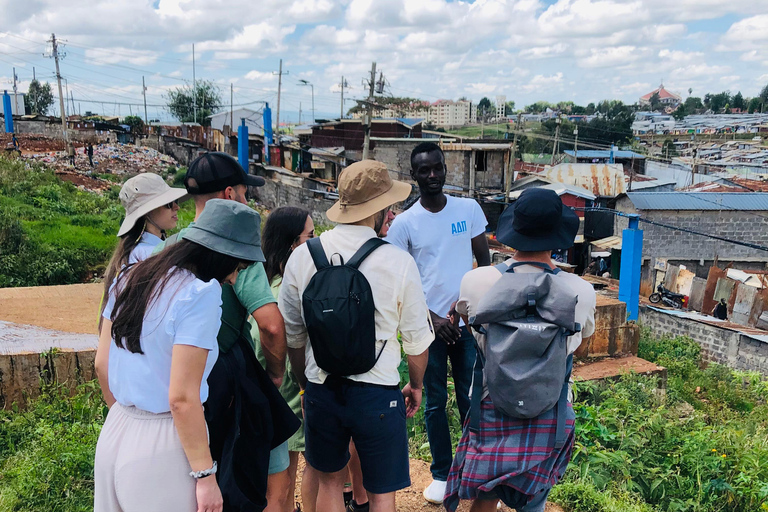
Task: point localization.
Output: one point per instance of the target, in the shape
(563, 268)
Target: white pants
(141, 465)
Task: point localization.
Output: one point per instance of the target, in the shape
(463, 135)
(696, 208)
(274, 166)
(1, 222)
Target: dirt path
(411, 499)
(71, 308)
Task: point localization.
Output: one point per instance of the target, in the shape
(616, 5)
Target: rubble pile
(107, 159)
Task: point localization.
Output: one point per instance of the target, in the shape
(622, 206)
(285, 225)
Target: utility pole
(279, 91)
(194, 85)
(556, 141)
(55, 53)
(576, 143)
(508, 184)
(72, 97)
(369, 112)
(299, 113)
(344, 85)
(231, 107)
(144, 92)
(14, 84)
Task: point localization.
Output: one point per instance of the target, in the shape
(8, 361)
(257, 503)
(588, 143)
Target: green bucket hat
(230, 228)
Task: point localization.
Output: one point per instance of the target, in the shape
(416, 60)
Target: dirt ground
(411, 499)
(71, 308)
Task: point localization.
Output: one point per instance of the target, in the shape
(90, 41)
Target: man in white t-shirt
(536, 225)
(442, 233)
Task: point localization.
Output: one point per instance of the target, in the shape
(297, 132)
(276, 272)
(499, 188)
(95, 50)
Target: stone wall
(275, 194)
(731, 348)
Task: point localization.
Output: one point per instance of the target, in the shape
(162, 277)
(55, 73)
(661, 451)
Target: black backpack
(339, 312)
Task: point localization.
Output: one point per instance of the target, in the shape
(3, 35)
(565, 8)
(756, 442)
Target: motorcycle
(668, 297)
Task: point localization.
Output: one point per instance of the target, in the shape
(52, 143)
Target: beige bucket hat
(142, 194)
(366, 188)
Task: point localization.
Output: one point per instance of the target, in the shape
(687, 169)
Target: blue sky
(527, 50)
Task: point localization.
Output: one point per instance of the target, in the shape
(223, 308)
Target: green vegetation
(47, 452)
(50, 231)
(701, 446)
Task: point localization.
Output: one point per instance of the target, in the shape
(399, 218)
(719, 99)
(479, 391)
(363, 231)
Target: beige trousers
(141, 465)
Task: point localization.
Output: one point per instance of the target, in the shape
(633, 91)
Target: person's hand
(453, 316)
(276, 380)
(445, 329)
(412, 400)
(208, 495)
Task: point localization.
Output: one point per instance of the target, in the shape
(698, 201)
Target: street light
(306, 82)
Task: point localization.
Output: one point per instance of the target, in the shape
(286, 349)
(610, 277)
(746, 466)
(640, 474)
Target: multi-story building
(439, 113)
(501, 107)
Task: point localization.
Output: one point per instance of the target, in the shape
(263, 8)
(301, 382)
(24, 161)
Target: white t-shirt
(397, 295)
(441, 244)
(480, 280)
(144, 248)
(188, 312)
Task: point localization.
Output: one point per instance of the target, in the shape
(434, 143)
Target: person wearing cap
(157, 348)
(489, 465)
(442, 233)
(150, 210)
(218, 175)
(369, 408)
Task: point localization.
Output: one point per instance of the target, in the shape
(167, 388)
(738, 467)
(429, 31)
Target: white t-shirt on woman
(188, 312)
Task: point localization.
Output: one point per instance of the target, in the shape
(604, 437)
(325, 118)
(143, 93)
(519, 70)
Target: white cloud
(542, 52)
(610, 57)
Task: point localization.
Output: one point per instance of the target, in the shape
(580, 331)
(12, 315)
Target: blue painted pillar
(611, 157)
(7, 112)
(242, 144)
(267, 131)
(631, 264)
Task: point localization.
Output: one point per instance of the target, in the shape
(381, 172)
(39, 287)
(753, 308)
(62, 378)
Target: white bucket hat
(142, 194)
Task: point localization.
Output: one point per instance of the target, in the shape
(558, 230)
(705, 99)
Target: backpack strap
(501, 267)
(477, 390)
(562, 405)
(317, 252)
(543, 266)
(365, 251)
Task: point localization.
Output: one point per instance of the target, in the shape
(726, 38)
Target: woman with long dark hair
(150, 210)
(156, 350)
(285, 229)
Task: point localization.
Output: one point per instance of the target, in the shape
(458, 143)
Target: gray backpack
(527, 367)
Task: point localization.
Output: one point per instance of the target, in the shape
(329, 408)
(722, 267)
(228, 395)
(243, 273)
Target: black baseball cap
(215, 171)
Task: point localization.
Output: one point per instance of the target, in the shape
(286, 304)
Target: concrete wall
(275, 193)
(672, 244)
(724, 346)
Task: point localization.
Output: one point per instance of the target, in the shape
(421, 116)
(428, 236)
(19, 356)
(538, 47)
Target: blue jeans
(462, 356)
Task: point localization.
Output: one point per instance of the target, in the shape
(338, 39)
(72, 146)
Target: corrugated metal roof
(604, 154)
(606, 180)
(611, 242)
(560, 189)
(745, 201)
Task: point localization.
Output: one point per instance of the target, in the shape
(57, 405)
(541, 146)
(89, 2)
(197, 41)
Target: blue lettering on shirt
(458, 228)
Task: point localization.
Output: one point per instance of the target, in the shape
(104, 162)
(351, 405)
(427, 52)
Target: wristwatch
(197, 475)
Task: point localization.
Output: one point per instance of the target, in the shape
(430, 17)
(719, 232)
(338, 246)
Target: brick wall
(724, 346)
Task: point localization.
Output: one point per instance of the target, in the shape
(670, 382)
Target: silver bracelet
(197, 475)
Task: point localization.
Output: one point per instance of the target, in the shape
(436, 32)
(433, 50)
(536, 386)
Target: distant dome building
(666, 98)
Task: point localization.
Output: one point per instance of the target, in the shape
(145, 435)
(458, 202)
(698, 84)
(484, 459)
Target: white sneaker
(435, 492)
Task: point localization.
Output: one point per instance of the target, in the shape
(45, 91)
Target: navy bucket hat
(538, 221)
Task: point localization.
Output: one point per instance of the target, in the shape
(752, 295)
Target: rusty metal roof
(603, 180)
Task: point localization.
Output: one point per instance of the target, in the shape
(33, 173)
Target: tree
(590, 109)
(754, 105)
(39, 97)
(717, 102)
(655, 102)
(136, 123)
(764, 97)
(509, 107)
(539, 107)
(181, 102)
(738, 101)
(486, 109)
(668, 149)
(680, 113)
(693, 105)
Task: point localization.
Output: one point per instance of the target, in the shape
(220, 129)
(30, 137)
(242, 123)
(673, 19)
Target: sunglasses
(171, 204)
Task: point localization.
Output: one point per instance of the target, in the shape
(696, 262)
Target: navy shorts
(373, 417)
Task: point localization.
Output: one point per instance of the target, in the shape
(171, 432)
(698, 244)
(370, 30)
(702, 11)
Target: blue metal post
(267, 131)
(7, 112)
(242, 145)
(631, 264)
(611, 157)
